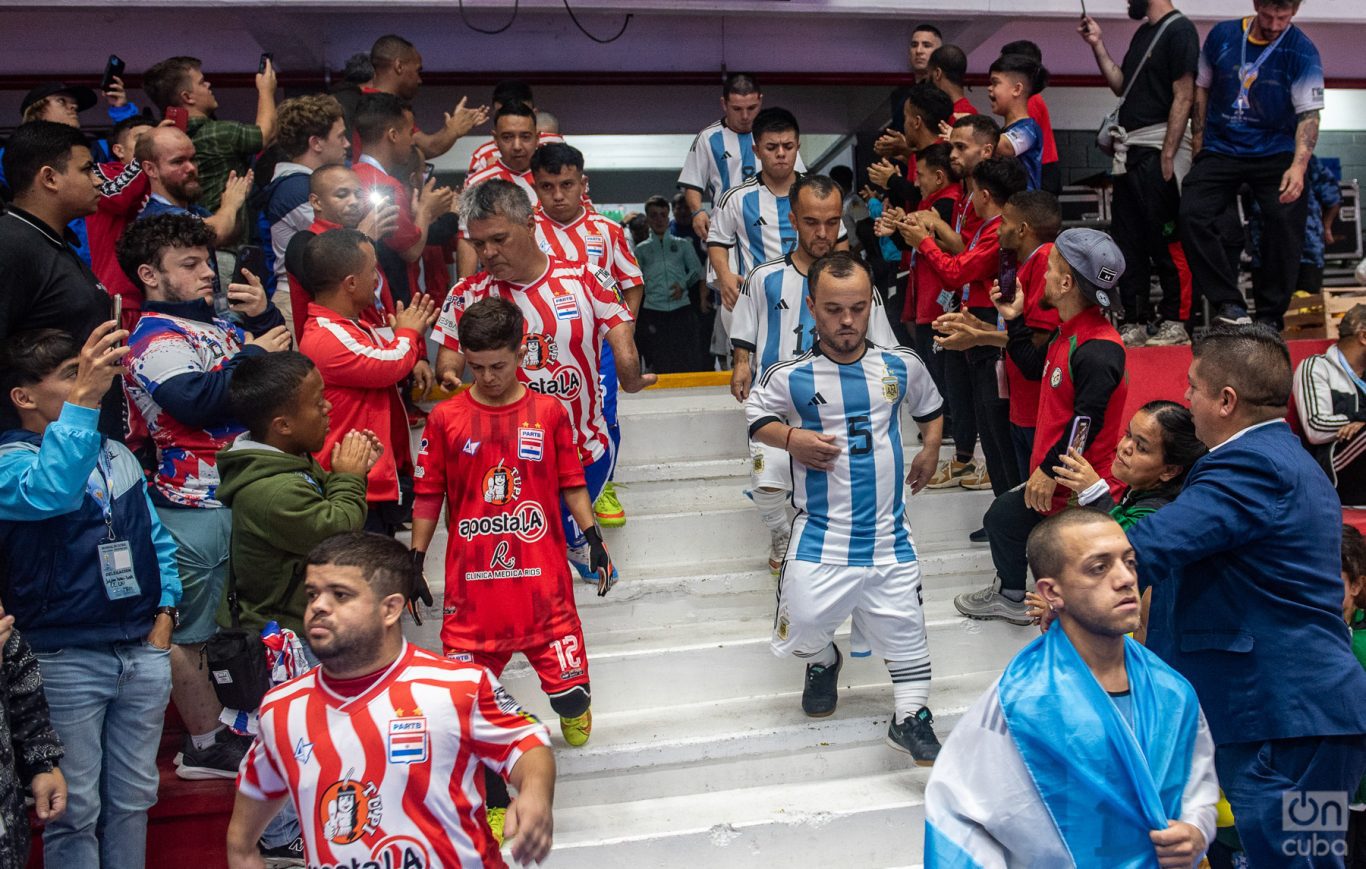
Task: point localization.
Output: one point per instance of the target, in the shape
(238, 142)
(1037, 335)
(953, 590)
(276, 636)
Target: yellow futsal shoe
(496, 816)
(608, 509)
(577, 730)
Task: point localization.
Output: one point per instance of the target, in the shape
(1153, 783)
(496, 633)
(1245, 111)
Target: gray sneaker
(989, 604)
(1168, 333)
(1134, 334)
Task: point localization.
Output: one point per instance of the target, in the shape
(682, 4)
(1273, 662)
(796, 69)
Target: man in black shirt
(1155, 117)
(43, 283)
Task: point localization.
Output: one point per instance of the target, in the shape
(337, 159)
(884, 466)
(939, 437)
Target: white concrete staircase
(700, 755)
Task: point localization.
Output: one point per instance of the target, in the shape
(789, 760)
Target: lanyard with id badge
(116, 556)
(1247, 72)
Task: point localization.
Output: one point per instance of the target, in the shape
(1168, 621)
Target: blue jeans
(107, 703)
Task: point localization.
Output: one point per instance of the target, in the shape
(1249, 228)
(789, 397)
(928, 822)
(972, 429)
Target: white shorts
(769, 467)
(885, 601)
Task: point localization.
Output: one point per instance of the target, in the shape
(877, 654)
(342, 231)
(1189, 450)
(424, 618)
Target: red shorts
(561, 664)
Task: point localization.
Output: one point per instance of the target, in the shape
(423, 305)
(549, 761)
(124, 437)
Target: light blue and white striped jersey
(773, 322)
(755, 225)
(855, 513)
(719, 159)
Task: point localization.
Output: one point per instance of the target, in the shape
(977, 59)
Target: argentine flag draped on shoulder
(1044, 770)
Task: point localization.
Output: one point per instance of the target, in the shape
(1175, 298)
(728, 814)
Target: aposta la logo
(527, 523)
(565, 383)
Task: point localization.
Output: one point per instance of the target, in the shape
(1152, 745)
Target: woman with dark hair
(1154, 455)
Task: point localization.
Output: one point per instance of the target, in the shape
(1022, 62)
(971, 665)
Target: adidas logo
(781, 306)
(816, 400)
(725, 155)
(761, 222)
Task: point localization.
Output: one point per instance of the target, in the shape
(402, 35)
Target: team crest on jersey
(527, 523)
(408, 740)
(1056, 377)
(541, 351)
(349, 810)
(502, 485)
(564, 384)
(566, 307)
(530, 443)
(891, 389)
(594, 245)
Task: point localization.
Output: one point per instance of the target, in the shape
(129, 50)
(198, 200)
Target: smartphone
(1008, 289)
(428, 172)
(379, 197)
(114, 68)
(250, 258)
(1081, 427)
(267, 57)
(118, 313)
(1083, 15)
(179, 116)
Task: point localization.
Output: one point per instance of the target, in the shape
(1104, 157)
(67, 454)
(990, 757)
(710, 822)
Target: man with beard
(836, 409)
(1156, 86)
(364, 794)
(773, 323)
(168, 157)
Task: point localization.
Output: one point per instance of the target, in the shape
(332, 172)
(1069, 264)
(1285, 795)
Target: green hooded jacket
(282, 506)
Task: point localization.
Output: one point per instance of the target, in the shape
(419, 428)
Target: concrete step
(671, 668)
(745, 742)
(862, 820)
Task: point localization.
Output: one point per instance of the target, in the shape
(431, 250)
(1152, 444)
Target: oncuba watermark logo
(1317, 822)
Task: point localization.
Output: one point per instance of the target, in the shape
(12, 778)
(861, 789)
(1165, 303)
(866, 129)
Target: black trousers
(993, 419)
(668, 339)
(1209, 191)
(1144, 226)
(1008, 523)
(958, 395)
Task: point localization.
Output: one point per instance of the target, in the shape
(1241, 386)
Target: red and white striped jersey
(392, 776)
(488, 152)
(594, 239)
(569, 310)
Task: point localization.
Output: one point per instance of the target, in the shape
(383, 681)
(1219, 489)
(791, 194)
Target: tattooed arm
(1306, 137)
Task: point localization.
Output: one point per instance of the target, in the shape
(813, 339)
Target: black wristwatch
(170, 611)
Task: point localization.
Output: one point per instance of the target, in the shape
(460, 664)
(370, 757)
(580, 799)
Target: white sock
(772, 504)
(825, 657)
(202, 741)
(910, 686)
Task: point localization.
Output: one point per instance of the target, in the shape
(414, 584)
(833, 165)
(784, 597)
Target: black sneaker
(290, 854)
(979, 536)
(915, 736)
(822, 688)
(220, 760)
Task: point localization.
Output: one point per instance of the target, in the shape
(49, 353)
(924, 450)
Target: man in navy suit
(1247, 598)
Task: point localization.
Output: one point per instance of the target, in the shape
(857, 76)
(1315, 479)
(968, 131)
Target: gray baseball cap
(1096, 258)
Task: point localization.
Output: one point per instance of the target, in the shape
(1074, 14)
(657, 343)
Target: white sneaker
(1169, 333)
(979, 478)
(1134, 335)
(777, 549)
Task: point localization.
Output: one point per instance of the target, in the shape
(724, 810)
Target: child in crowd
(502, 457)
(363, 367)
(1014, 78)
(926, 291)
(283, 502)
